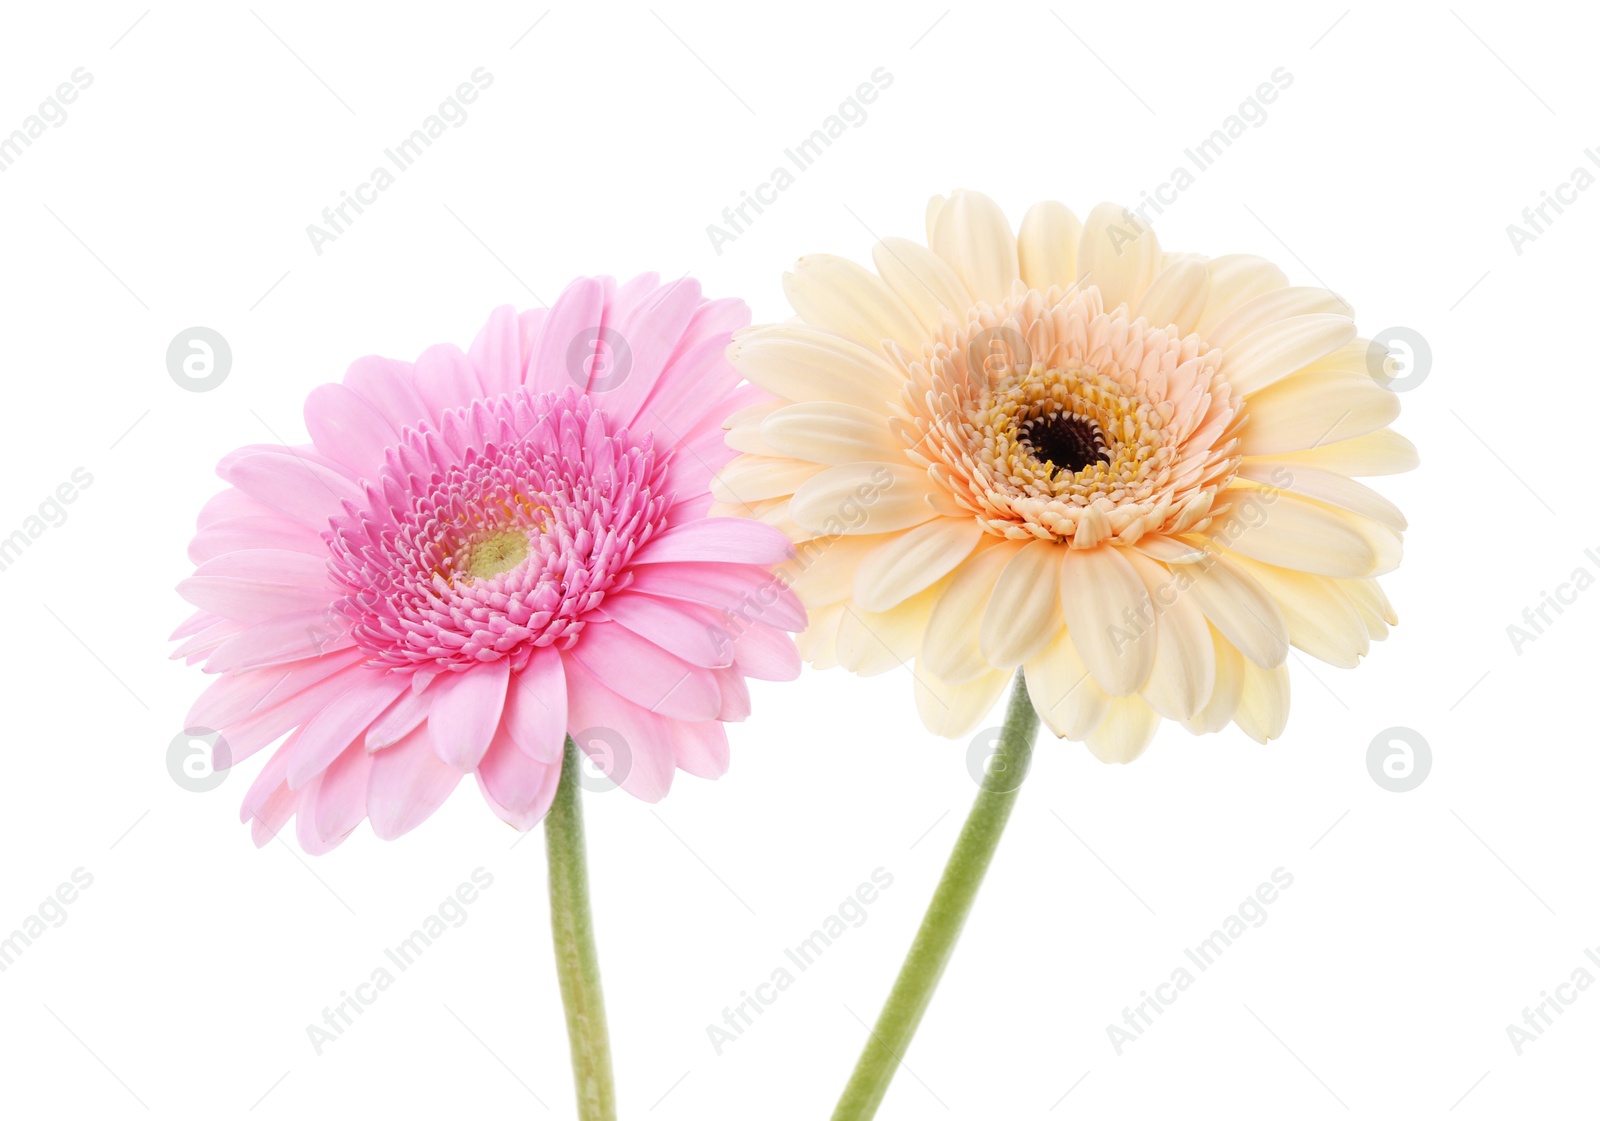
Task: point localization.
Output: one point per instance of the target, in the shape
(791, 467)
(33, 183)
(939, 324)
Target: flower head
(1126, 471)
(479, 554)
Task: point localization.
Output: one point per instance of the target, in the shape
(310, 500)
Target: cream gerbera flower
(1126, 471)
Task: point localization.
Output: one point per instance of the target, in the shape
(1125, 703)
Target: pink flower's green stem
(946, 914)
(572, 927)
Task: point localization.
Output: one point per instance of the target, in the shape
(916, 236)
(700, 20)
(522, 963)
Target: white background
(1419, 925)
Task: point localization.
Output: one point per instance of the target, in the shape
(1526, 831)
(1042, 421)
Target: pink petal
(387, 386)
(518, 789)
(398, 720)
(347, 429)
(695, 634)
(644, 763)
(272, 776)
(408, 782)
(528, 324)
(251, 734)
(295, 486)
(342, 723)
(646, 674)
(341, 795)
(496, 353)
(273, 815)
(201, 644)
(536, 707)
(256, 584)
(579, 309)
(287, 638)
(266, 531)
(694, 386)
(735, 694)
(728, 540)
(466, 711)
(652, 330)
(237, 697)
(701, 747)
(305, 822)
(229, 504)
(766, 653)
(445, 379)
(744, 591)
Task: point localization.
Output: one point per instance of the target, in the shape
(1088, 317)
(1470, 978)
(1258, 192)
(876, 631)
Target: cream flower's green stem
(572, 927)
(946, 914)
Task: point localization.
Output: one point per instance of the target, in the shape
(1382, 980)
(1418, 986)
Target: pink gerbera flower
(479, 554)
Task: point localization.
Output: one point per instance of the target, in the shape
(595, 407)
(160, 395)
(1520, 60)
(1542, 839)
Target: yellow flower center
(495, 554)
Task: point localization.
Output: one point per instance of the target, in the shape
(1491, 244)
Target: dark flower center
(1067, 441)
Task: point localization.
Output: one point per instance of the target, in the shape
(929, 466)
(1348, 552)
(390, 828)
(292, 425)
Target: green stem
(572, 929)
(946, 914)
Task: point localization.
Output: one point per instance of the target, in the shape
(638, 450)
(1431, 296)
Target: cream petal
(1047, 246)
(914, 560)
(771, 511)
(824, 568)
(1183, 673)
(1024, 612)
(1321, 619)
(1176, 297)
(1236, 279)
(931, 215)
(816, 643)
(829, 432)
(1273, 307)
(801, 363)
(1281, 528)
(971, 233)
(1117, 254)
(950, 646)
(1384, 452)
(1263, 702)
(954, 710)
(753, 478)
(1169, 550)
(920, 277)
(1354, 357)
(1224, 699)
(874, 642)
(1110, 617)
(1273, 352)
(1307, 410)
(1126, 731)
(1063, 694)
(1373, 606)
(1384, 542)
(862, 498)
(744, 429)
(839, 295)
(1324, 486)
(1239, 608)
